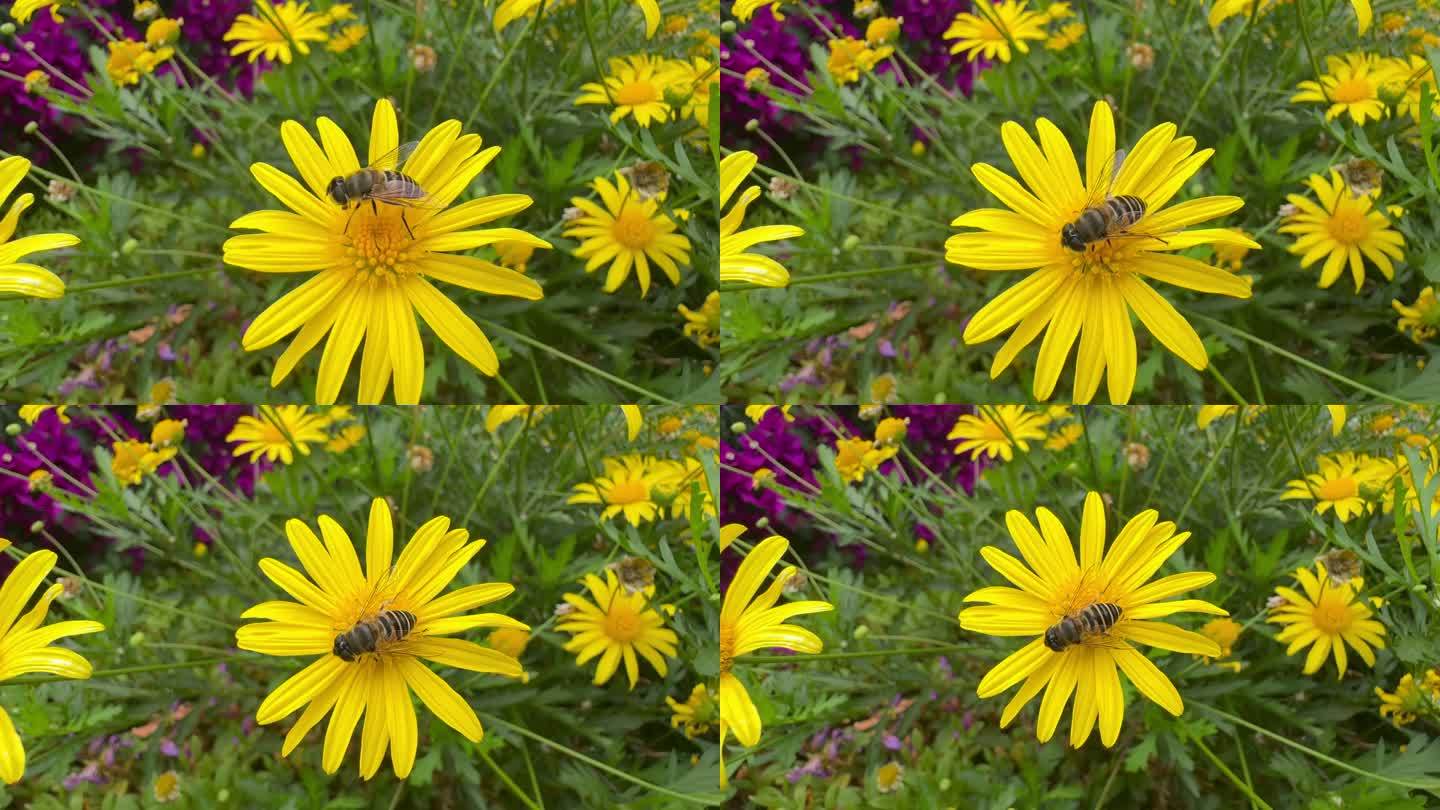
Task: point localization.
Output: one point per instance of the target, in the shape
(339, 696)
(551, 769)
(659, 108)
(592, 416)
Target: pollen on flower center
(727, 650)
(1351, 91)
(1349, 226)
(633, 229)
(1337, 489)
(626, 492)
(622, 624)
(379, 245)
(636, 92)
(1332, 616)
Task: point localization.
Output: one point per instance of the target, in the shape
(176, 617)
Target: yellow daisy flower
(628, 232)
(164, 31)
(168, 433)
(1224, 632)
(673, 480)
(1342, 227)
(891, 431)
(17, 276)
(348, 437)
(1060, 586)
(1347, 482)
(736, 264)
(278, 432)
(628, 486)
(636, 87)
(703, 325)
(1408, 81)
(698, 77)
(25, 644)
(133, 460)
(265, 34)
(626, 625)
(1068, 293)
(23, 10)
(1068, 35)
(850, 58)
(1064, 436)
(347, 38)
(984, 34)
(1329, 616)
(372, 264)
(748, 623)
(1410, 700)
(377, 683)
(1420, 320)
(882, 31)
(1351, 85)
(854, 457)
(998, 430)
(696, 714)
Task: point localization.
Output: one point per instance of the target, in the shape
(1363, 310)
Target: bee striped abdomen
(1125, 210)
(1071, 630)
(1099, 617)
(365, 637)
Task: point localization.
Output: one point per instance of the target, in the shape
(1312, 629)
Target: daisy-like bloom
(1419, 321)
(635, 86)
(850, 58)
(25, 644)
(699, 78)
(1409, 81)
(748, 623)
(30, 413)
(272, 29)
(1342, 228)
(628, 232)
(703, 325)
(998, 430)
(347, 38)
(164, 31)
(891, 431)
(736, 264)
(376, 684)
(616, 626)
(17, 276)
(1224, 632)
(696, 714)
(985, 34)
(372, 265)
(1349, 483)
(628, 486)
(882, 31)
(1410, 700)
(1053, 584)
(889, 777)
(346, 438)
(1064, 436)
(674, 480)
(1095, 291)
(1351, 85)
(133, 460)
(509, 640)
(1068, 35)
(1329, 616)
(278, 432)
(129, 60)
(167, 787)
(500, 414)
(855, 457)
(168, 433)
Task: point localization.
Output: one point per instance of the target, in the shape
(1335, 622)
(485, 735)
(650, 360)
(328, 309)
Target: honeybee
(1107, 217)
(1070, 630)
(634, 573)
(380, 182)
(649, 179)
(366, 635)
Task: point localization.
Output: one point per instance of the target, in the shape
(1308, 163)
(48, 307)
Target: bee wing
(403, 193)
(381, 593)
(395, 157)
(1109, 173)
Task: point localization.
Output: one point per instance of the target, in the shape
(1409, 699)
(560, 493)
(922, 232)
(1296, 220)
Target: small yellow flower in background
(703, 325)
(673, 480)
(636, 87)
(277, 432)
(346, 438)
(30, 413)
(264, 34)
(884, 390)
(984, 34)
(855, 457)
(1224, 632)
(1408, 81)
(509, 640)
(627, 487)
(1064, 436)
(1207, 414)
(133, 460)
(1059, 11)
(41, 481)
(514, 255)
(164, 31)
(756, 77)
(17, 276)
(1088, 297)
(625, 626)
(146, 10)
(1410, 700)
(698, 78)
(757, 412)
(629, 233)
(750, 622)
(340, 12)
(1347, 482)
(161, 393)
(676, 24)
(760, 477)
(696, 714)
(1054, 584)
(736, 265)
(393, 254)
(889, 777)
(500, 414)
(882, 31)
(851, 58)
(1419, 321)
(1393, 22)
(1342, 228)
(891, 431)
(36, 80)
(347, 38)
(22, 10)
(1351, 86)
(25, 644)
(1068, 35)
(168, 433)
(167, 787)
(378, 683)
(1330, 617)
(998, 430)
(1231, 255)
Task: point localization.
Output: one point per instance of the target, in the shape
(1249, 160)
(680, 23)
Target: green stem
(1214, 74)
(575, 361)
(841, 656)
(509, 783)
(499, 72)
(1235, 780)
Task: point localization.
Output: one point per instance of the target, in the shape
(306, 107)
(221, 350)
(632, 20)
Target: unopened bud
(31, 127)
(752, 125)
(727, 27)
(130, 246)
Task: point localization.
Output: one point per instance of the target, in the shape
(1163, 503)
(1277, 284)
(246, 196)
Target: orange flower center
(727, 649)
(1338, 489)
(627, 492)
(1332, 615)
(1348, 225)
(1352, 90)
(636, 92)
(633, 228)
(378, 244)
(622, 623)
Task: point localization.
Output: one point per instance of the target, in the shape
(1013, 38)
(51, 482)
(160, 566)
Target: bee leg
(406, 223)
(350, 219)
(374, 207)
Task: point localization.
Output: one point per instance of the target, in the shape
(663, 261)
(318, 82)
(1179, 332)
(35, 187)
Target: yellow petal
(737, 711)
(299, 689)
(436, 694)
(463, 654)
(12, 752)
(1148, 678)
(384, 133)
(348, 709)
(1016, 667)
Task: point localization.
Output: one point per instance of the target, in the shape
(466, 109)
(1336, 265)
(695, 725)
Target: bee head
(336, 190)
(342, 649)
(1070, 238)
(1052, 639)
